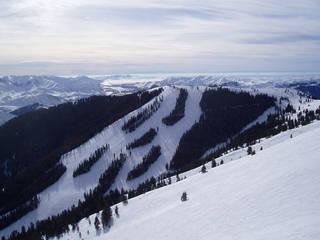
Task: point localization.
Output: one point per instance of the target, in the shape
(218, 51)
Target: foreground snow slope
(271, 195)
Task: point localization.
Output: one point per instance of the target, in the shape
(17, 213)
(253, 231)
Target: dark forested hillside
(225, 113)
(34, 142)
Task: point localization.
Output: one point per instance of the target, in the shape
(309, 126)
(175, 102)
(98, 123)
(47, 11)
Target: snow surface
(271, 195)
(68, 190)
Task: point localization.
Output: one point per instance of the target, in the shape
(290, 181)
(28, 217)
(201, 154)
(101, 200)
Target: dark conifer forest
(147, 160)
(32, 144)
(141, 117)
(143, 140)
(86, 165)
(224, 114)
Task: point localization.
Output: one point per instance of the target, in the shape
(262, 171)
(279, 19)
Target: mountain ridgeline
(32, 144)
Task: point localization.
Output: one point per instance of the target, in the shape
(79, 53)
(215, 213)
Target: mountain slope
(68, 190)
(271, 195)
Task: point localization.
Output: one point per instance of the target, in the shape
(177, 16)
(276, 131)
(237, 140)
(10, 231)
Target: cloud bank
(99, 36)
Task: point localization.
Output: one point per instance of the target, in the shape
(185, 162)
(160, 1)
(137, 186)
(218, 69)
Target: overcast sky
(101, 36)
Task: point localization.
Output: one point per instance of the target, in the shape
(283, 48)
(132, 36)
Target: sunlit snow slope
(271, 195)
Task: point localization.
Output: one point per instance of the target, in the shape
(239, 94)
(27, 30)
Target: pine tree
(116, 211)
(249, 150)
(106, 216)
(184, 197)
(97, 223)
(203, 169)
(213, 163)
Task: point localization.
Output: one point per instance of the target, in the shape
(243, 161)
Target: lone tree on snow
(203, 169)
(184, 197)
(116, 211)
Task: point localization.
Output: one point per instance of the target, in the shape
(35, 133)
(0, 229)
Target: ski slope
(271, 195)
(68, 190)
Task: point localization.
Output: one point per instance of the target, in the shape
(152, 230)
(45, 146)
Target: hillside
(271, 195)
(116, 138)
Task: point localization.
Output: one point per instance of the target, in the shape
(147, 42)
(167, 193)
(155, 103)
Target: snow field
(271, 195)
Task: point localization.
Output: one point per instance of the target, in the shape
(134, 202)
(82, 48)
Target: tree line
(86, 165)
(147, 160)
(224, 114)
(143, 140)
(141, 117)
(32, 144)
(178, 112)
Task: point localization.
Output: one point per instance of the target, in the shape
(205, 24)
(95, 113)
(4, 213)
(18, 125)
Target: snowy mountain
(22, 91)
(119, 84)
(271, 195)
(229, 196)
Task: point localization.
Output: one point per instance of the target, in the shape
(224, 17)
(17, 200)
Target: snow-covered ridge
(21, 91)
(117, 84)
(271, 195)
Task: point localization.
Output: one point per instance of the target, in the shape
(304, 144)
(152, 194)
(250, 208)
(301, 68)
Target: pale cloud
(98, 36)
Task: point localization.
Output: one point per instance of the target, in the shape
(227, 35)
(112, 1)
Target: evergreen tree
(213, 163)
(116, 211)
(249, 150)
(184, 197)
(106, 216)
(203, 169)
(97, 223)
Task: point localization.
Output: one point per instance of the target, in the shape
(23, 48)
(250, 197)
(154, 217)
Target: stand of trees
(147, 160)
(141, 117)
(17, 208)
(275, 124)
(224, 114)
(23, 209)
(32, 144)
(108, 177)
(86, 165)
(178, 111)
(143, 140)
(94, 201)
